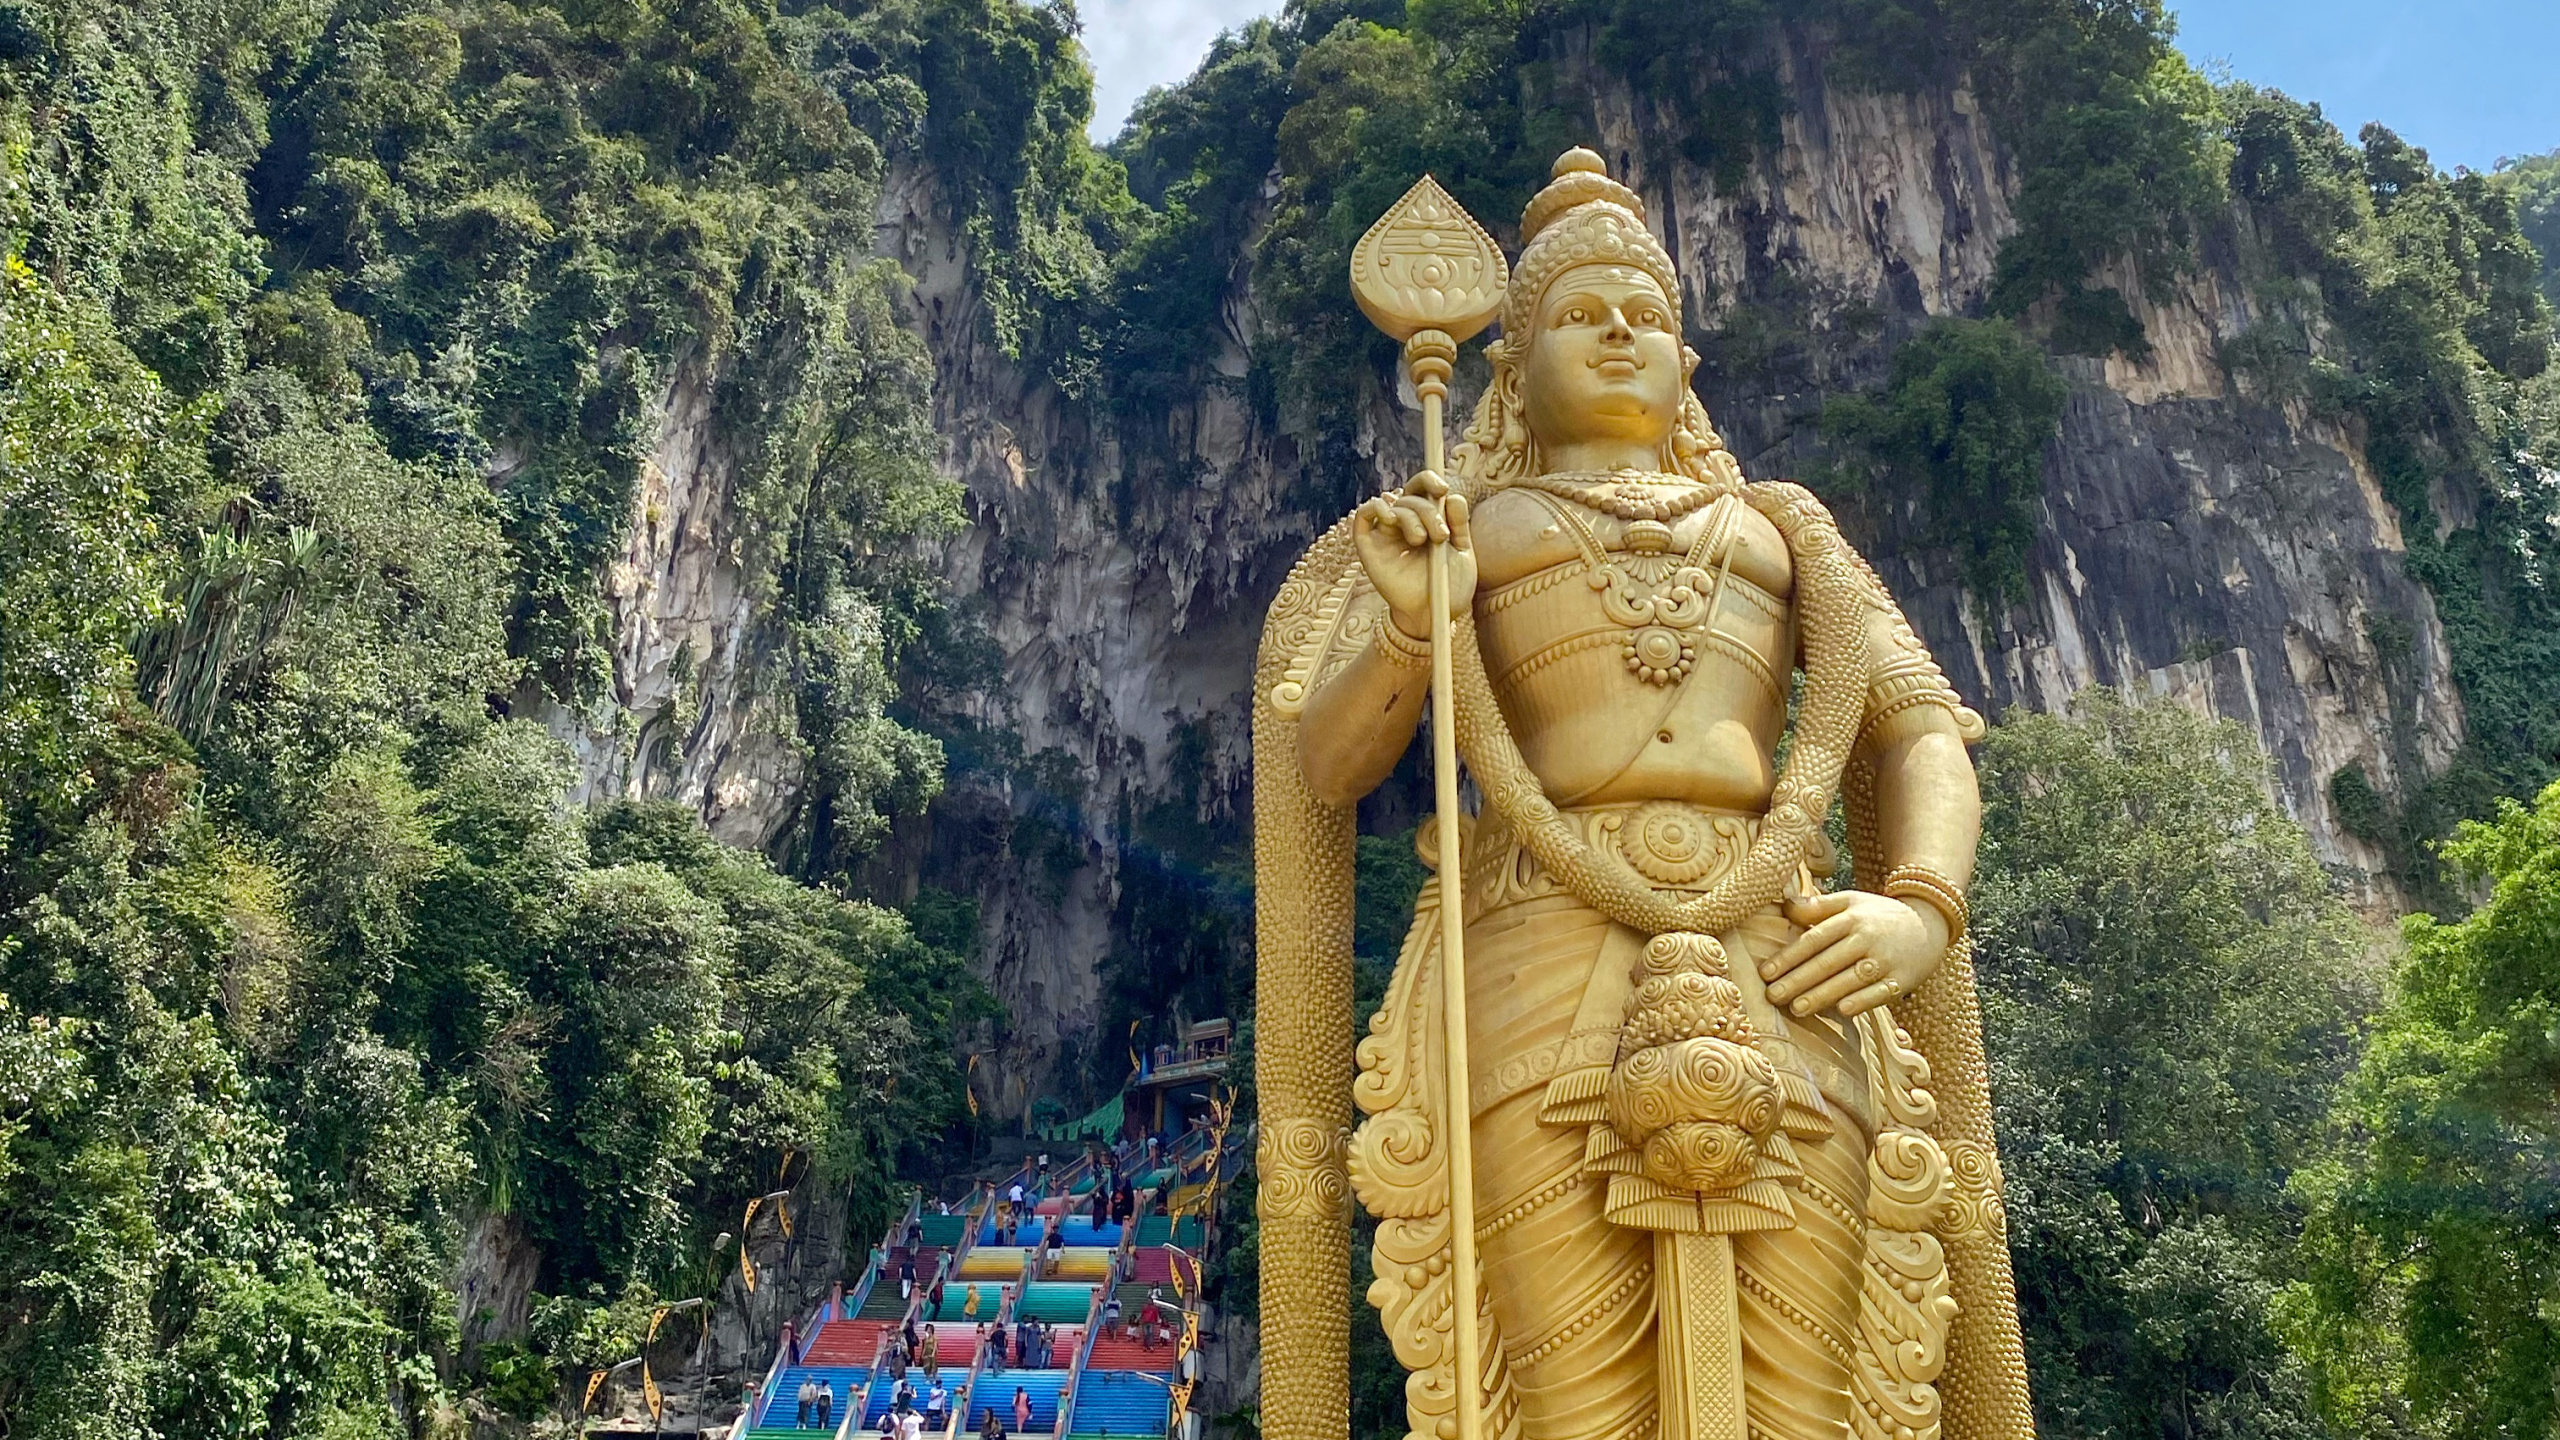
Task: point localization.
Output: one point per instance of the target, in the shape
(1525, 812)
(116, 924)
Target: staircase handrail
(763, 1403)
(871, 1271)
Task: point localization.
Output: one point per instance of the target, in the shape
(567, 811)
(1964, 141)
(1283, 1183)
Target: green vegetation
(1963, 423)
(2426, 1306)
(2172, 994)
(2447, 376)
(2535, 184)
(327, 340)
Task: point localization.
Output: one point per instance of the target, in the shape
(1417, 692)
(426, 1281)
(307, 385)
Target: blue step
(783, 1405)
(1120, 1404)
(997, 1390)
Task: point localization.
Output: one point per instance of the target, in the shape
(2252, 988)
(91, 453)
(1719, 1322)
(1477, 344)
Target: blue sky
(2470, 80)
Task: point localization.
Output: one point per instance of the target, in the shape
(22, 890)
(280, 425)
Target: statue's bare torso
(1709, 739)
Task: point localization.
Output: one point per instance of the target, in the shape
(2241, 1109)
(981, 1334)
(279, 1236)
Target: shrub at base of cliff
(2433, 1244)
(2170, 995)
(1962, 426)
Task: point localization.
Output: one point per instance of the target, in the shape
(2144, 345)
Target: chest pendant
(1663, 600)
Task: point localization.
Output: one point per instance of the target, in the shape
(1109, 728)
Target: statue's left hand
(1859, 950)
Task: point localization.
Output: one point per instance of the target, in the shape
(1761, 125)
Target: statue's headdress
(1581, 218)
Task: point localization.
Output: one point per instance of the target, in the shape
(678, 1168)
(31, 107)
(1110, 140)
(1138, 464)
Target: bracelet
(1402, 650)
(1929, 887)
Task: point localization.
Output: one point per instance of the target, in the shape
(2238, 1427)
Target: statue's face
(1604, 361)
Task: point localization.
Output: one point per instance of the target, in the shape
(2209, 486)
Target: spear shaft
(1427, 364)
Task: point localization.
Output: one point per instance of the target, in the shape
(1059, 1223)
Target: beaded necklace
(1627, 494)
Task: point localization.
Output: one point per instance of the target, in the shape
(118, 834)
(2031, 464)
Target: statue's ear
(1688, 362)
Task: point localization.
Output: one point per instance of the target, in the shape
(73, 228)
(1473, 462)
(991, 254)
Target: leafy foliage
(2427, 1305)
(1963, 424)
(328, 334)
(2170, 994)
(2535, 184)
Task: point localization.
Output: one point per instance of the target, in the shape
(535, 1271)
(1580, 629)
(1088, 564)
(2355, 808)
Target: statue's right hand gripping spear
(1430, 276)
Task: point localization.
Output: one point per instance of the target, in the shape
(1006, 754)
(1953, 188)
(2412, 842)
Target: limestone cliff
(2198, 544)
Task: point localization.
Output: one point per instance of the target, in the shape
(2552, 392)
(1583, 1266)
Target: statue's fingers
(1819, 967)
(1428, 484)
(1460, 535)
(1847, 981)
(1410, 526)
(1823, 934)
(1883, 992)
(1434, 523)
(1375, 511)
(1819, 906)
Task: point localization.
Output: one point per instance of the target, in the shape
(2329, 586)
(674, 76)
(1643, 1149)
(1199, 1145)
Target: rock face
(2199, 545)
(694, 715)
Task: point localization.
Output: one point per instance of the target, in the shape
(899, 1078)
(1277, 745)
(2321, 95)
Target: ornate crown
(1582, 218)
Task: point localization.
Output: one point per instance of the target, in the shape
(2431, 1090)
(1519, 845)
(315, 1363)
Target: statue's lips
(1617, 367)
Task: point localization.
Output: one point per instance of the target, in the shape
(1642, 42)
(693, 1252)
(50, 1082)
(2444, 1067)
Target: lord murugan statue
(1665, 1133)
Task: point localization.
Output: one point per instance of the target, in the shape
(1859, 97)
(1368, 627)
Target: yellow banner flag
(782, 1214)
(969, 1085)
(746, 1230)
(649, 1391)
(595, 1382)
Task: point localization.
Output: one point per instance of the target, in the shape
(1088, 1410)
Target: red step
(845, 1342)
(1111, 1352)
(1156, 1265)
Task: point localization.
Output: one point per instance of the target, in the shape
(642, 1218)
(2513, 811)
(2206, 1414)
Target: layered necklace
(1627, 494)
(1666, 602)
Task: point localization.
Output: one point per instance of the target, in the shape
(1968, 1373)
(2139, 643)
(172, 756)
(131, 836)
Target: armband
(1930, 888)
(1402, 650)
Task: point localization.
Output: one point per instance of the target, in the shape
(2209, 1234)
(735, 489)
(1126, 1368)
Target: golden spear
(1430, 276)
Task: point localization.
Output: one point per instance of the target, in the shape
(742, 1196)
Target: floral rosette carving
(1694, 1107)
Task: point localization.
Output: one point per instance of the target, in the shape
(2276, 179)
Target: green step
(1057, 1302)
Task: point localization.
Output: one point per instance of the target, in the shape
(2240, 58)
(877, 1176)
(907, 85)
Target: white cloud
(1137, 45)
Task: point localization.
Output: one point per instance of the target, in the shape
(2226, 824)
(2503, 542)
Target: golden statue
(1727, 1169)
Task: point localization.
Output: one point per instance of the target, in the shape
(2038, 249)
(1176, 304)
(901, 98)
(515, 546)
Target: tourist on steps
(937, 1297)
(1150, 1315)
(989, 1427)
(1021, 1408)
(969, 1305)
(826, 1405)
(808, 1403)
(995, 1349)
(929, 1352)
(937, 1407)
